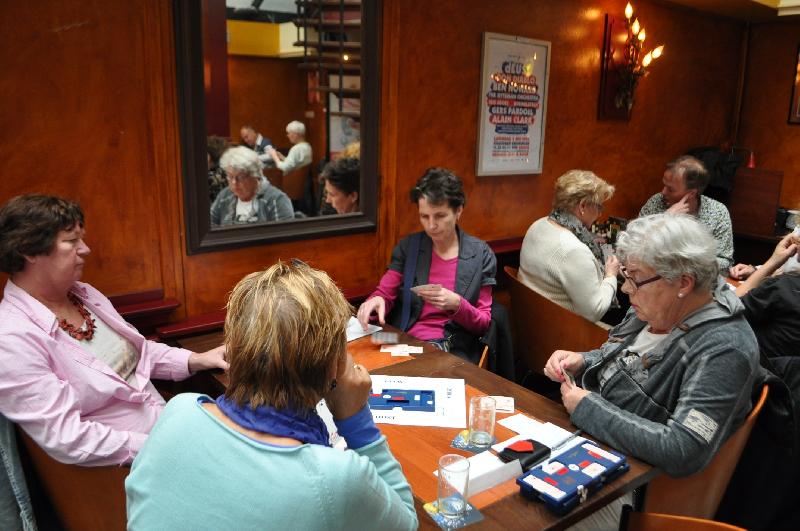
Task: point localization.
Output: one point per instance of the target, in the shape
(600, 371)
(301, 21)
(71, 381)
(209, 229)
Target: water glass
(452, 485)
(481, 421)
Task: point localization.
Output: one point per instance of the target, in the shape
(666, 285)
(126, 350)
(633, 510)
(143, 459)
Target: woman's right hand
(375, 304)
(563, 359)
(353, 386)
(785, 249)
(612, 266)
(741, 271)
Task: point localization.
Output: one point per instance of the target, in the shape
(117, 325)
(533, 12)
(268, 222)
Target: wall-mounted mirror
(294, 84)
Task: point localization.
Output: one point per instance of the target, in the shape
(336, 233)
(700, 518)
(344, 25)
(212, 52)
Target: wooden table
(418, 448)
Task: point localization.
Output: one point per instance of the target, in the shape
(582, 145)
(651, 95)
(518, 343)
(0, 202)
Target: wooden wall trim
(166, 149)
(390, 75)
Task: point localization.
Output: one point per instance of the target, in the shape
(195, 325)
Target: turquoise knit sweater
(195, 473)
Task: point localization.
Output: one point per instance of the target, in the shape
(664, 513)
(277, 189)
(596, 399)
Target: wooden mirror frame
(191, 107)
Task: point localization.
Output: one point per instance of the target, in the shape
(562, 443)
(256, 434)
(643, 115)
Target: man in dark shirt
(258, 143)
(772, 303)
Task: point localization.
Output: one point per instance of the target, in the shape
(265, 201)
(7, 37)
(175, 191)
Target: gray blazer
(476, 268)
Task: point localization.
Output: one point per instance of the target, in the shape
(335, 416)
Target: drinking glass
(452, 485)
(481, 421)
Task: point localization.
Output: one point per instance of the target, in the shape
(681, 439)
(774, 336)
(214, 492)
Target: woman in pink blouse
(76, 376)
(439, 284)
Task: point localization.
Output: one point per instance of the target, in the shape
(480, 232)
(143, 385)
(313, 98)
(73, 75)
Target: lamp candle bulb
(628, 11)
(658, 51)
(635, 26)
(642, 35)
(647, 59)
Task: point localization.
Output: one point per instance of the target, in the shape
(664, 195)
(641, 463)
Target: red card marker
(584, 464)
(521, 446)
(563, 470)
(551, 481)
(596, 456)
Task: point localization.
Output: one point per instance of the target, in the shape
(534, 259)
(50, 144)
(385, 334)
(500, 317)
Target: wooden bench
(83, 497)
(145, 309)
(209, 322)
(542, 326)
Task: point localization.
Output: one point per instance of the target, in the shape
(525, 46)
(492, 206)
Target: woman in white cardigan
(560, 258)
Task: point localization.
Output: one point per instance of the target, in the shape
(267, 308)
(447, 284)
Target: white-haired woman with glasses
(300, 152)
(674, 379)
(249, 197)
(560, 259)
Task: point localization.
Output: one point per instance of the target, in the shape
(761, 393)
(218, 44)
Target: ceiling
(749, 10)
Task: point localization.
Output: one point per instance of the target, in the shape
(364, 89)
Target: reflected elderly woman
(249, 197)
(674, 379)
(299, 154)
(560, 258)
(449, 295)
(76, 376)
(262, 445)
(342, 184)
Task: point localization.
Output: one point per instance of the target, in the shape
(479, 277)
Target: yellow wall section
(262, 39)
(253, 38)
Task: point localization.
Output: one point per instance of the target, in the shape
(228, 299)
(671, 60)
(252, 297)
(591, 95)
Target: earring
(680, 295)
(333, 384)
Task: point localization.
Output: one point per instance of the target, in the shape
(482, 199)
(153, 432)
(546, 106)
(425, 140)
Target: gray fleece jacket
(676, 405)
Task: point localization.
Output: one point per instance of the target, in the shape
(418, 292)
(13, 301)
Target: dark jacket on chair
(498, 339)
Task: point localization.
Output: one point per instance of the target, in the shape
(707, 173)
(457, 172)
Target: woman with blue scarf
(259, 456)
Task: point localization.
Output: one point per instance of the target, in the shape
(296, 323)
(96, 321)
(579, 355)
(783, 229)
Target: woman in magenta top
(447, 288)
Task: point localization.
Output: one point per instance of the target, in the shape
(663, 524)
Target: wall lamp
(621, 72)
(634, 65)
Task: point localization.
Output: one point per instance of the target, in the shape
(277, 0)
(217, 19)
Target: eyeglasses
(633, 284)
(241, 178)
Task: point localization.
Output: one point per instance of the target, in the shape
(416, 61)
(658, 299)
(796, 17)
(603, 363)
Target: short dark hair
(215, 148)
(29, 225)
(693, 171)
(439, 186)
(344, 174)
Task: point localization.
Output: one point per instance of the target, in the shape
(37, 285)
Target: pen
(563, 443)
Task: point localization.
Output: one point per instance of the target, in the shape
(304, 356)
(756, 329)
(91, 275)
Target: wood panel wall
(90, 113)
(267, 93)
(771, 68)
(686, 101)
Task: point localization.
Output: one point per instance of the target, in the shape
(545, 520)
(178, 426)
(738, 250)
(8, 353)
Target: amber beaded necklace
(81, 333)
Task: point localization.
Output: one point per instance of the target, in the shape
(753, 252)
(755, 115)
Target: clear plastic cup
(452, 485)
(481, 420)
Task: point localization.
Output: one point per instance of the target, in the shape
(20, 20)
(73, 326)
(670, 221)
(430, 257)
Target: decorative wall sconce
(621, 71)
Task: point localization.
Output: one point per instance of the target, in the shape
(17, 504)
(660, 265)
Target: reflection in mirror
(287, 88)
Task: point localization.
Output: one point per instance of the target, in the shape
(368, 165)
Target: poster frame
(527, 48)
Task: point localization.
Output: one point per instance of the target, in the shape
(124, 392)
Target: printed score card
(416, 401)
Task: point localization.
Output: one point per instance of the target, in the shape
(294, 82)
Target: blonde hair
(577, 185)
(351, 151)
(284, 333)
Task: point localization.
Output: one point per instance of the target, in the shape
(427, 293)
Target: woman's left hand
(441, 298)
(211, 359)
(571, 394)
